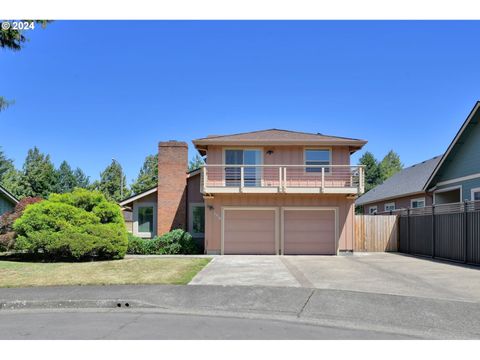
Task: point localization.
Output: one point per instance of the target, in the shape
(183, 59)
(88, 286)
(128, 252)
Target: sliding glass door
(251, 174)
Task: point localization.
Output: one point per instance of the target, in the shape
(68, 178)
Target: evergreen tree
(6, 165)
(110, 182)
(11, 181)
(81, 180)
(148, 175)
(195, 163)
(390, 165)
(372, 171)
(66, 180)
(38, 177)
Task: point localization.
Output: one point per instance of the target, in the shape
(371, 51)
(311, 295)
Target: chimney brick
(172, 186)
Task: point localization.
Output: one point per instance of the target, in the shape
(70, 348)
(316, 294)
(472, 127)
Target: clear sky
(90, 91)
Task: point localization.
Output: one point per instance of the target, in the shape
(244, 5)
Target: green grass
(178, 271)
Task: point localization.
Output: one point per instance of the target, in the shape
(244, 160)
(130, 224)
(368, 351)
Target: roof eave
(452, 144)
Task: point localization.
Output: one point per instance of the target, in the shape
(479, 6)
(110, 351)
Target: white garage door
(309, 232)
(249, 231)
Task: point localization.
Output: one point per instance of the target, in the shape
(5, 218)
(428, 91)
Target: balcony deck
(289, 179)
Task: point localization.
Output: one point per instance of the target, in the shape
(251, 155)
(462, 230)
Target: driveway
(382, 273)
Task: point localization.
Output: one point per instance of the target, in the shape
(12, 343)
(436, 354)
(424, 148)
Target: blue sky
(90, 91)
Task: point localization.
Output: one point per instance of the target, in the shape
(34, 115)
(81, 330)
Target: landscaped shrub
(175, 242)
(7, 235)
(79, 225)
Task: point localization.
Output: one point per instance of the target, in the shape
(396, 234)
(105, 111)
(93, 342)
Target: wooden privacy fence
(376, 233)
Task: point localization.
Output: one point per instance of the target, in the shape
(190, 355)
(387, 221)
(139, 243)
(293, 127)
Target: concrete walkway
(399, 316)
(380, 273)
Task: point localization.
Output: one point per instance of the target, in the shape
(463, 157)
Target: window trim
(370, 209)
(138, 205)
(472, 193)
(191, 206)
(447, 189)
(418, 199)
(389, 203)
(330, 156)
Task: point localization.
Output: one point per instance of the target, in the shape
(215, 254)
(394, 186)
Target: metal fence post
(433, 231)
(408, 231)
(465, 235)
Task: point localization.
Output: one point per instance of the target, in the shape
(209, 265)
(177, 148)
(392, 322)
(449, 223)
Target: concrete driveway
(382, 273)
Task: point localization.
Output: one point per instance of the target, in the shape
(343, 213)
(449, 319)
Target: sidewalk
(423, 317)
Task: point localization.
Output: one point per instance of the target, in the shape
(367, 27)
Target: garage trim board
(255, 208)
(280, 223)
(307, 208)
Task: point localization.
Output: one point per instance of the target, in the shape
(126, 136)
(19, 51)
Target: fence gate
(376, 233)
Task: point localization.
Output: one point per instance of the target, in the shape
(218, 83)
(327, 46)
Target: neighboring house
(262, 192)
(456, 178)
(7, 201)
(403, 190)
(451, 178)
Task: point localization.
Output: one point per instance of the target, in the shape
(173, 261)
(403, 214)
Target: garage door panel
(309, 232)
(249, 232)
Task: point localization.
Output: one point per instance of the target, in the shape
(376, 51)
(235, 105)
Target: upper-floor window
(389, 206)
(417, 203)
(476, 194)
(322, 157)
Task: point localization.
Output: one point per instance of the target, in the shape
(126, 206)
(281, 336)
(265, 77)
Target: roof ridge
(276, 129)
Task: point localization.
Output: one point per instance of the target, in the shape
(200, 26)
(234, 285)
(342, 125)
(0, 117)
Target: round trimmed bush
(78, 225)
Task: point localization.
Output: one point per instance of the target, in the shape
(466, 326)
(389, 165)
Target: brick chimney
(172, 186)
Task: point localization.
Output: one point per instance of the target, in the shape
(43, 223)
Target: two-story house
(263, 192)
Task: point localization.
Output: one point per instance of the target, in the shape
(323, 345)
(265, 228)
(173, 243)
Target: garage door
(309, 232)
(249, 231)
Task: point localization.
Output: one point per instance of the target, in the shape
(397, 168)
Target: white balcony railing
(332, 179)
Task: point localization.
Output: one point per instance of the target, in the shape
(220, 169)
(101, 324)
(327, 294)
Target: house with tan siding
(263, 192)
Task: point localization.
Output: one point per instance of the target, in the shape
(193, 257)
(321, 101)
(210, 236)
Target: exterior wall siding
(464, 159)
(466, 187)
(400, 203)
(282, 155)
(5, 204)
(213, 213)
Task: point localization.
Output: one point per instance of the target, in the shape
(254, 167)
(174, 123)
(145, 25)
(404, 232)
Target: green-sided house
(7, 201)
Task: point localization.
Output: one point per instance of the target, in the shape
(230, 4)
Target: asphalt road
(229, 312)
(93, 325)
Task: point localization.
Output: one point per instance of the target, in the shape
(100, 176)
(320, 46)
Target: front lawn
(177, 271)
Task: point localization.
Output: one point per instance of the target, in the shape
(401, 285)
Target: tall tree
(14, 39)
(81, 180)
(38, 177)
(195, 163)
(66, 180)
(6, 165)
(390, 165)
(148, 176)
(372, 171)
(111, 181)
(11, 181)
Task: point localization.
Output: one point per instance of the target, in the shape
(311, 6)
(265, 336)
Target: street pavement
(229, 312)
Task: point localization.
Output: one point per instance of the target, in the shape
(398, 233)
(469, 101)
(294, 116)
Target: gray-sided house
(7, 201)
(451, 178)
(456, 177)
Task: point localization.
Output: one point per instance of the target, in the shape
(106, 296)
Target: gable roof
(278, 137)
(406, 182)
(453, 144)
(8, 195)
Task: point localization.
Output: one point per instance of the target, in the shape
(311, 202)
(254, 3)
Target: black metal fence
(448, 232)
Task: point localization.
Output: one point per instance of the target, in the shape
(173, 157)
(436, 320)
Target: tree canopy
(390, 165)
(195, 163)
(148, 175)
(377, 172)
(111, 181)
